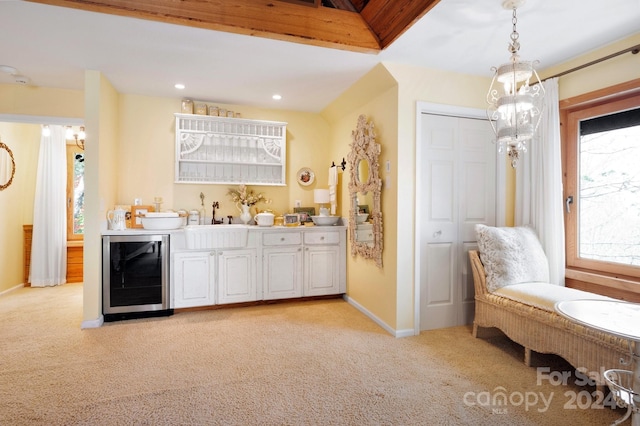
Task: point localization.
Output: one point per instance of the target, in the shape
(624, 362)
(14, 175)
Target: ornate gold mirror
(7, 166)
(365, 215)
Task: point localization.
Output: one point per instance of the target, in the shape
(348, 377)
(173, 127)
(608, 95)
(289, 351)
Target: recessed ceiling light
(179, 86)
(277, 97)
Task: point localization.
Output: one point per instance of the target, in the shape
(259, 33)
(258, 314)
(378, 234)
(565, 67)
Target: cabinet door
(193, 279)
(282, 272)
(237, 276)
(321, 270)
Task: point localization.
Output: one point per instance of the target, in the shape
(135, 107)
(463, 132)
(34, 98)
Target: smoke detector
(21, 79)
(18, 78)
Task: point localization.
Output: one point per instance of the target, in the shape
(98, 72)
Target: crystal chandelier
(515, 101)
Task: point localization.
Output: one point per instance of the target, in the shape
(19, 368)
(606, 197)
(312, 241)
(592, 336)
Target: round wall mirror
(7, 166)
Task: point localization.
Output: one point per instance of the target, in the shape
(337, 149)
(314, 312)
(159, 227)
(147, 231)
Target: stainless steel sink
(215, 236)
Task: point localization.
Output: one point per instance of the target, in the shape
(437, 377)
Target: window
(75, 193)
(602, 146)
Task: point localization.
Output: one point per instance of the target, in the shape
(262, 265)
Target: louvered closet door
(458, 191)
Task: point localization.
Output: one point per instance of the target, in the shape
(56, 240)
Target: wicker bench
(546, 332)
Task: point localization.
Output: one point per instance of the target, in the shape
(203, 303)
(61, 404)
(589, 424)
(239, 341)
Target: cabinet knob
(281, 238)
(321, 238)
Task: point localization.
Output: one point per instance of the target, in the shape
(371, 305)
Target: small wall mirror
(7, 166)
(365, 215)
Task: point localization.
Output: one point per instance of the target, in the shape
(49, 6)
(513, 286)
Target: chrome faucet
(215, 205)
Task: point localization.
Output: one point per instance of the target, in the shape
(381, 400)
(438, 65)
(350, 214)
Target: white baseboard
(385, 326)
(96, 323)
(11, 289)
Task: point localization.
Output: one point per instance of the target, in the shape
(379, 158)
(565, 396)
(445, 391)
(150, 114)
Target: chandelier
(78, 136)
(515, 101)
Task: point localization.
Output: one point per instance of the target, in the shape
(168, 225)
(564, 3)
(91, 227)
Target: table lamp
(322, 197)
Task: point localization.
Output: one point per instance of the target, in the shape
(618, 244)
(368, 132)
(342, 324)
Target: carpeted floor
(299, 363)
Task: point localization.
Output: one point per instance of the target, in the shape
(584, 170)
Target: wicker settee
(545, 331)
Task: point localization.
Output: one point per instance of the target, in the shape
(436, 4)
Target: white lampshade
(321, 196)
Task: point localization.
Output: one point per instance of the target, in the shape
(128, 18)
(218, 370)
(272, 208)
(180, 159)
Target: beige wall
(16, 201)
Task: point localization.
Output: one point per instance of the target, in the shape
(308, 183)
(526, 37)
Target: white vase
(245, 216)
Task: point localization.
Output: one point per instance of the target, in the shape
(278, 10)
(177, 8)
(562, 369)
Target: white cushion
(544, 295)
(511, 256)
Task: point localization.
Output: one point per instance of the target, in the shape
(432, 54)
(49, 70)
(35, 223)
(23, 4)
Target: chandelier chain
(515, 44)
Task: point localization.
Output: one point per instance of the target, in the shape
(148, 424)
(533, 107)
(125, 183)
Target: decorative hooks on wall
(342, 165)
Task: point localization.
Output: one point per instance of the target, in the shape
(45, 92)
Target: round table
(618, 318)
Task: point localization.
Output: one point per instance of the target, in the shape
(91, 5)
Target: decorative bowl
(362, 217)
(325, 220)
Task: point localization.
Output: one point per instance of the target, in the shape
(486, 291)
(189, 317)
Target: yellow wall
(101, 168)
(146, 157)
(375, 96)
(16, 201)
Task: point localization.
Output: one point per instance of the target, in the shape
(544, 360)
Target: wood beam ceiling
(378, 24)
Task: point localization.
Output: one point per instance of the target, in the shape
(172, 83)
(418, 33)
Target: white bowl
(362, 217)
(325, 220)
(161, 222)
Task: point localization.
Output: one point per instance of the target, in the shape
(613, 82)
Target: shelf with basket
(212, 149)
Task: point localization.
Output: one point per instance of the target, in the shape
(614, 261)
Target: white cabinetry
(282, 265)
(193, 279)
(213, 149)
(321, 263)
(274, 263)
(237, 276)
(204, 278)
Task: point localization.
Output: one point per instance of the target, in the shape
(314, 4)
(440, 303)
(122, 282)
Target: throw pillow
(511, 256)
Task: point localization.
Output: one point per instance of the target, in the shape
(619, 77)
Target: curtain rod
(633, 49)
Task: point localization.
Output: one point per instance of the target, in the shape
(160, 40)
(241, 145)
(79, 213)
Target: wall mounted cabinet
(224, 150)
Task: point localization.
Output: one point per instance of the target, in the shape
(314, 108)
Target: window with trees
(602, 150)
(75, 193)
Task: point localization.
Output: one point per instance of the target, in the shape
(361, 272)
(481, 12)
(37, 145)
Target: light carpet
(297, 363)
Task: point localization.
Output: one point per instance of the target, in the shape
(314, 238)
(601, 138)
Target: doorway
(456, 170)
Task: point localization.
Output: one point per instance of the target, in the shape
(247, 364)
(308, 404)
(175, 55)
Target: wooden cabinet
(75, 257)
(193, 279)
(212, 149)
(237, 276)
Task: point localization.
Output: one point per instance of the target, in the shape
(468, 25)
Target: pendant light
(515, 97)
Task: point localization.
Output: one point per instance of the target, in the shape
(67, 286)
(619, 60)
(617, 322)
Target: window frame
(572, 111)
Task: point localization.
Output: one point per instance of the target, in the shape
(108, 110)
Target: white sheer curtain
(49, 240)
(539, 199)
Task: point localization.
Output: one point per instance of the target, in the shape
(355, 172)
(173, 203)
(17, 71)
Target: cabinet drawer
(321, 238)
(281, 238)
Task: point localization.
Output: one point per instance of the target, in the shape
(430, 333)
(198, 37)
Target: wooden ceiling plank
(390, 19)
(325, 27)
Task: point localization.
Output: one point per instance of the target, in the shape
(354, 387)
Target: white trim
(455, 111)
(41, 119)
(385, 326)
(96, 323)
(11, 289)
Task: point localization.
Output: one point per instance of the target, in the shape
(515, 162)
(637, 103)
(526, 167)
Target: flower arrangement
(244, 195)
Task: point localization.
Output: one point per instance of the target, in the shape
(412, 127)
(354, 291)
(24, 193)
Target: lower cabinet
(193, 279)
(321, 270)
(197, 276)
(293, 263)
(282, 272)
(237, 276)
